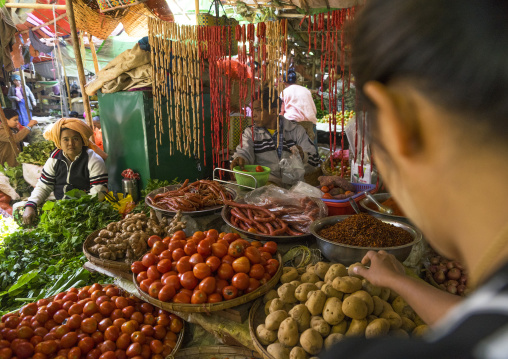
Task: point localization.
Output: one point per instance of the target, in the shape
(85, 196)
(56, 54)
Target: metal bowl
(346, 254)
(203, 212)
(261, 237)
(381, 197)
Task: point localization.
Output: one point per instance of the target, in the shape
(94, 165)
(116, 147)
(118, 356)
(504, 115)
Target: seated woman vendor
(71, 165)
(261, 149)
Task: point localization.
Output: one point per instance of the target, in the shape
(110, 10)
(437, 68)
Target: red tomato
(190, 248)
(108, 355)
(89, 325)
(74, 322)
(128, 311)
(104, 324)
(181, 298)
(230, 237)
(164, 266)
(259, 169)
(265, 255)
(240, 281)
(159, 247)
(188, 280)
(198, 236)
(155, 288)
(123, 341)
(225, 271)
(205, 248)
(156, 346)
(183, 265)
(213, 262)
(144, 285)
(195, 259)
(253, 254)
(129, 327)
(167, 254)
(141, 277)
(253, 285)
(112, 333)
(137, 267)
(94, 354)
(270, 269)
(138, 337)
(229, 292)
(149, 259)
(228, 259)
(121, 302)
(29, 309)
(151, 241)
(86, 344)
(198, 297)
(219, 250)
(271, 247)
(201, 271)
(153, 273)
(172, 281)
(69, 340)
(76, 308)
(208, 285)
(24, 332)
(257, 271)
(214, 298)
(106, 308)
(237, 248)
(241, 265)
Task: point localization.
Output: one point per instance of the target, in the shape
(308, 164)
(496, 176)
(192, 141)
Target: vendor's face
(262, 118)
(13, 122)
(71, 143)
(17, 83)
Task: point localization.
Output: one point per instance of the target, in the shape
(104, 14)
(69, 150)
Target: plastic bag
(306, 190)
(296, 209)
(292, 168)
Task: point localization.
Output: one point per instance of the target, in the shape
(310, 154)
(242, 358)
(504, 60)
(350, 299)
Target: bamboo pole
(79, 62)
(65, 77)
(2, 99)
(23, 86)
(94, 54)
(34, 6)
(9, 133)
(60, 17)
(196, 4)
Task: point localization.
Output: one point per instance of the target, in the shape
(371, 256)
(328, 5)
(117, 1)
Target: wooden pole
(34, 6)
(313, 84)
(2, 99)
(9, 133)
(68, 99)
(27, 105)
(79, 62)
(94, 54)
(196, 4)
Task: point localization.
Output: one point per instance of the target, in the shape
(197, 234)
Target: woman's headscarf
(15, 77)
(72, 124)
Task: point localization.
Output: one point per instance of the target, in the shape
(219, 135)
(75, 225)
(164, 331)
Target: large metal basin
(381, 197)
(346, 254)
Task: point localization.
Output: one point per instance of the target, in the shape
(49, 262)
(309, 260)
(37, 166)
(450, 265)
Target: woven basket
(99, 25)
(115, 265)
(135, 22)
(218, 352)
(108, 5)
(212, 307)
(257, 316)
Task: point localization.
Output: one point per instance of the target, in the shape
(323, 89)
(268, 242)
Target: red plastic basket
(338, 207)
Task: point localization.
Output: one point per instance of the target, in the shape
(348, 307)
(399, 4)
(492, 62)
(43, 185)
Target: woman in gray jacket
(18, 101)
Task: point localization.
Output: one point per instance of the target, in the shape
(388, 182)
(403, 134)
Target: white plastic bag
(292, 168)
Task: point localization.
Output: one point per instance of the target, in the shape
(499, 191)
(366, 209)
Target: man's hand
(300, 150)
(238, 161)
(32, 123)
(28, 215)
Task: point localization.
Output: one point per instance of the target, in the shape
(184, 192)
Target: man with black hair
(264, 144)
(19, 133)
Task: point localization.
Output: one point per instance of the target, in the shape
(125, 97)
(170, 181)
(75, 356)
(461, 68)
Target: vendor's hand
(32, 123)
(384, 268)
(238, 161)
(300, 150)
(28, 215)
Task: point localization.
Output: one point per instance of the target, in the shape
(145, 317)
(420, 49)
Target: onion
(454, 274)
(433, 268)
(434, 260)
(439, 277)
(442, 267)
(450, 265)
(463, 279)
(458, 265)
(452, 282)
(461, 289)
(452, 289)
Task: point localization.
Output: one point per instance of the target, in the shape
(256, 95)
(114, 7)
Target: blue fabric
(15, 77)
(23, 115)
(280, 133)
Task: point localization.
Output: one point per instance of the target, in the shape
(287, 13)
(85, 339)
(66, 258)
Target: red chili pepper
(301, 22)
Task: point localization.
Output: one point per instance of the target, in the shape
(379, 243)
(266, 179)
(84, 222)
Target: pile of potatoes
(317, 306)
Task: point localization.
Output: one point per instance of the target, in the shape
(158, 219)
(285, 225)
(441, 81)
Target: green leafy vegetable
(37, 153)
(16, 179)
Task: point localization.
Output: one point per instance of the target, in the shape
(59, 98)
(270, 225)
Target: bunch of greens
(45, 261)
(320, 113)
(16, 179)
(37, 153)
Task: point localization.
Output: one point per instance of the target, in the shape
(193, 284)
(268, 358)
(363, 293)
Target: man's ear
(397, 117)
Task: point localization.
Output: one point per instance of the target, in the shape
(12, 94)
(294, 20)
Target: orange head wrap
(72, 124)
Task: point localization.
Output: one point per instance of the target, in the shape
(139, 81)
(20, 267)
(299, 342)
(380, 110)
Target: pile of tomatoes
(92, 323)
(206, 268)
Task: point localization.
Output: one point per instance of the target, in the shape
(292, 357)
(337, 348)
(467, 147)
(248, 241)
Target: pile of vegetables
(43, 262)
(317, 307)
(206, 268)
(92, 322)
(37, 153)
(16, 180)
(447, 275)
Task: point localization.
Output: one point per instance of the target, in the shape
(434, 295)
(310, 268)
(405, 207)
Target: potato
(273, 320)
(392, 297)
(371, 318)
(357, 328)
(399, 333)
(271, 294)
(398, 304)
(288, 332)
(393, 318)
(301, 314)
(385, 294)
(278, 351)
(418, 321)
(351, 272)
(319, 284)
(309, 278)
(302, 291)
(377, 328)
(276, 304)
(363, 295)
(407, 325)
(321, 268)
(298, 353)
(330, 291)
(333, 339)
(340, 328)
(370, 288)
(301, 270)
(311, 341)
(420, 330)
(286, 293)
(288, 274)
(332, 311)
(378, 306)
(347, 284)
(355, 308)
(296, 283)
(265, 336)
(267, 306)
(310, 269)
(335, 270)
(320, 325)
(315, 302)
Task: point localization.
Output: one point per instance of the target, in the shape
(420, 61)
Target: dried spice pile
(363, 230)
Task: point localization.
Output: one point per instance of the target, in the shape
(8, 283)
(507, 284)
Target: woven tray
(135, 22)
(89, 20)
(217, 352)
(257, 316)
(212, 307)
(105, 263)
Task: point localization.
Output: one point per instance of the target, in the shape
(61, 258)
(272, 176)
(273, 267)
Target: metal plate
(262, 237)
(203, 212)
(381, 197)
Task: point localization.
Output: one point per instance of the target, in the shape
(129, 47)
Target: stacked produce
(317, 307)
(340, 164)
(275, 218)
(206, 268)
(127, 239)
(347, 116)
(335, 187)
(447, 275)
(92, 322)
(37, 153)
(16, 179)
(191, 197)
